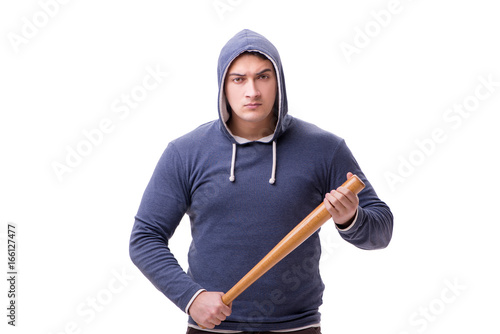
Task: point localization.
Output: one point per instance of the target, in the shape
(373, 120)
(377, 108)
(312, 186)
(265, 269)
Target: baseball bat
(292, 240)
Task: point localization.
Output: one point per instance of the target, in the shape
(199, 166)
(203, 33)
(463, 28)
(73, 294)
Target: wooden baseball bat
(292, 240)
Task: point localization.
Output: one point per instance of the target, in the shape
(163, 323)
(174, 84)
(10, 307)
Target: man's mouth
(252, 105)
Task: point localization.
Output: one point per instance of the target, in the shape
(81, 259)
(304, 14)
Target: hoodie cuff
(192, 300)
(350, 226)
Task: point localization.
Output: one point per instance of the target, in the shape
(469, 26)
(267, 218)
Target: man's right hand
(208, 310)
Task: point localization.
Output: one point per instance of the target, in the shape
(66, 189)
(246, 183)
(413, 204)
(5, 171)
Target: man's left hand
(342, 204)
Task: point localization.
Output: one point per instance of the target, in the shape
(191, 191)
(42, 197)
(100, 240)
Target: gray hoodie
(242, 198)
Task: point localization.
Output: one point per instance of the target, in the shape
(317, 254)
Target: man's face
(250, 88)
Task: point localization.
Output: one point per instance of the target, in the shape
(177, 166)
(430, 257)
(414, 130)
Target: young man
(246, 180)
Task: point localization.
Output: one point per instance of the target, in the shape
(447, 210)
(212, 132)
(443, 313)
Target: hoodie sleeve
(163, 205)
(373, 226)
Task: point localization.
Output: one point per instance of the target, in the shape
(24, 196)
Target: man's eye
(264, 76)
(238, 80)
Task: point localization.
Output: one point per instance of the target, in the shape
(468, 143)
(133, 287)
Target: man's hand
(342, 204)
(208, 310)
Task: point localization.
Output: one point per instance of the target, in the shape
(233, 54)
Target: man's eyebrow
(259, 73)
(264, 71)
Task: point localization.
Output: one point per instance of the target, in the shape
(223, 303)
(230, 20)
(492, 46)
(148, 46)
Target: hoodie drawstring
(273, 172)
(233, 162)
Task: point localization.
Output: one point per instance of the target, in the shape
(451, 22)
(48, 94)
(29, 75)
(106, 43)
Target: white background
(63, 77)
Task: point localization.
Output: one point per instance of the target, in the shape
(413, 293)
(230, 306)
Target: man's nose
(252, 89)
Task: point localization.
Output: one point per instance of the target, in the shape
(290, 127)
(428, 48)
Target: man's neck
(252, 131)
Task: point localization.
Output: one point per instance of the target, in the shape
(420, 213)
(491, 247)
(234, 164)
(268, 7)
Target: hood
(247, 40)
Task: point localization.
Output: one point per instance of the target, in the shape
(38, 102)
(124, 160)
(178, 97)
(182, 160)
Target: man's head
(251, 87)
(249, 53)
